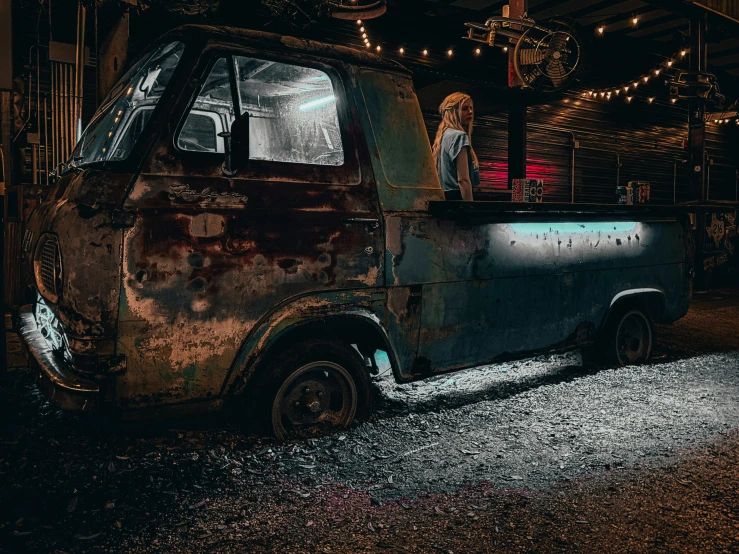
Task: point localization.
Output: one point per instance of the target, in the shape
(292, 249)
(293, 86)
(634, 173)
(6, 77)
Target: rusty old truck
(249, 218)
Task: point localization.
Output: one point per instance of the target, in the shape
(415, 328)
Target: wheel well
(356, 330)
(652, 302)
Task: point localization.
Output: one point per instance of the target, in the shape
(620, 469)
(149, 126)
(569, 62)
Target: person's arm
(463, 174)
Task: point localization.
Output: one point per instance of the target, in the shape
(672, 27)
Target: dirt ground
(538, 455)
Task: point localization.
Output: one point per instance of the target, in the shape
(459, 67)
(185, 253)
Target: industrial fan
(547, 56)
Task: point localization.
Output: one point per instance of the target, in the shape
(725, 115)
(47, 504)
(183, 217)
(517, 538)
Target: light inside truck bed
(603, 227)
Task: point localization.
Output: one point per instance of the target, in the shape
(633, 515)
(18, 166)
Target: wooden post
(517, 129)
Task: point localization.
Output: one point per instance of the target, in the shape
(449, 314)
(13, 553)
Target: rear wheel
(313, 387)
(631, 338)
(626, 339)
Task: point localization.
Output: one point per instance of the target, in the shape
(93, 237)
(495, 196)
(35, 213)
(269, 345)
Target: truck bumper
(62, 387)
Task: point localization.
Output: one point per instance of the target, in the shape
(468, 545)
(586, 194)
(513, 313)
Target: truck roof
(286, 43)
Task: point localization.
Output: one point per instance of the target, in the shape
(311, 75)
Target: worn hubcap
(316, 397)
(633, 339)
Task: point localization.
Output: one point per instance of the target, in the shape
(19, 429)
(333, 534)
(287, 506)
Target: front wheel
(313, 387)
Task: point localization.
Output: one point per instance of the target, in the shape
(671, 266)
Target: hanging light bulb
(402, 50)
(646, 78)
(505, 49)
(602, 94)
(600, 30)
(379, 47)
(635, 20)
(669, 63)
(626, 88)
(361, 29)
(425, 52)
(359, 21)
(673, 100)
(364, 35)
(367, 44)
(656, 71)
(651, 100)
(683, 53)
(629, 98)
(636, 84)
(617, 91)
(449, 52)
(478, 51)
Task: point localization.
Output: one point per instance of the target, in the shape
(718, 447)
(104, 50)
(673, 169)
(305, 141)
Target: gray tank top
(452, 142)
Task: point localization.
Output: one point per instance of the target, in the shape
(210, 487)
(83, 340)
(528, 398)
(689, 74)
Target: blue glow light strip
(316, 103)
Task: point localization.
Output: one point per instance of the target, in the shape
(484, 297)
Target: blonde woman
(456, 162)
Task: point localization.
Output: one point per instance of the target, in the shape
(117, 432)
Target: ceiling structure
(654, 21)
(623, 48)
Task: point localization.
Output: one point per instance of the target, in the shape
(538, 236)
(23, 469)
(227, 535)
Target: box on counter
(527, 190)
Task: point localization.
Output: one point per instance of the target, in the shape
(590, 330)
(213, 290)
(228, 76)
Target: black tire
(313, 387)
(627, 337)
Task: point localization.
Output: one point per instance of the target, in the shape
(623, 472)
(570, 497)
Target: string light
(643, 80)
(505, 49)
(379, 47)
(425, 52)
(601, 29)
(402, 50)
(359, 21)
(361, 29)
(683, 53)
(449, 52)
(635, 20)
(477, 51)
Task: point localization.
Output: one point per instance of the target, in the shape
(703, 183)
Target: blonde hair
(451, 110)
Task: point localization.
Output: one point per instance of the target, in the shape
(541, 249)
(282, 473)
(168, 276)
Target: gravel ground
(537, 455)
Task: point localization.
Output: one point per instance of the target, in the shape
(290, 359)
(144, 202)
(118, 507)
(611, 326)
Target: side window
(292, 112)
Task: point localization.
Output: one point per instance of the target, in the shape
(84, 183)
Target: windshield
(121, 118)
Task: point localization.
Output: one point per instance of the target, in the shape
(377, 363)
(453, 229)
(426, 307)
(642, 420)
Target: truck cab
(249, 217)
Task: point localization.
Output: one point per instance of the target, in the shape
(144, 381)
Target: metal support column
(696, 122)
(517, 128)
(697, 142)
(6, 155)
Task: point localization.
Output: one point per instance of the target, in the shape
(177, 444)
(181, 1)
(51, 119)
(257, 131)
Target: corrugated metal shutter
(613, 143)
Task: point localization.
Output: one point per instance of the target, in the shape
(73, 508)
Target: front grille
(50, 265)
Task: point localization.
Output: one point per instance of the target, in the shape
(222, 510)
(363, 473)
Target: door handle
(372, 223)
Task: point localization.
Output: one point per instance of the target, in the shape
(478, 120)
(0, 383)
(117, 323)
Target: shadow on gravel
(391, 406)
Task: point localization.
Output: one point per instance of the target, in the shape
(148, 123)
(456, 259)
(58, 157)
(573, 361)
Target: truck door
(210, 255)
